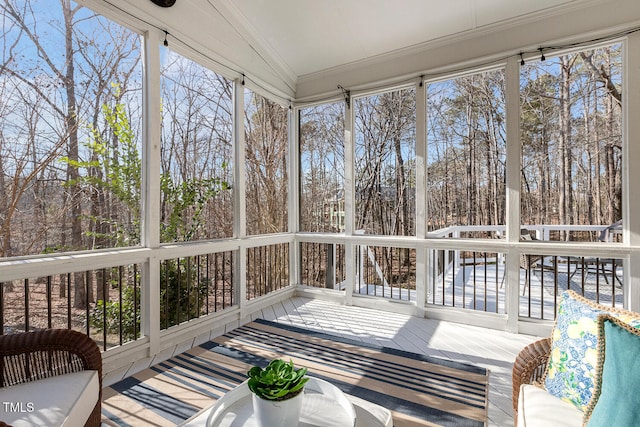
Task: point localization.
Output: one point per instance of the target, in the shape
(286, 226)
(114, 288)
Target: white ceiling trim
(247, 31)
(224, 50)
(411, 60)
(219, 30)
(456, 38)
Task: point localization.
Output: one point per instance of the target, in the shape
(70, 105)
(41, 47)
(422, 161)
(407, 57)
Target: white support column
(349, 201)
(513, 190)
(630, 170)
(294, 194)
(422, 266)
(239, 193)
(239, 172)
(150, 221)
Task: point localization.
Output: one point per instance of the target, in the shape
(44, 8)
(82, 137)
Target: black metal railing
(103, 303)
(544, 278)
(467, 279)
(322, 265)
(195, 286)
(267, 269)
(386, 272)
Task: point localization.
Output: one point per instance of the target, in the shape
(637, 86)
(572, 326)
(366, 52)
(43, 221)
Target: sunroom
(420, 175)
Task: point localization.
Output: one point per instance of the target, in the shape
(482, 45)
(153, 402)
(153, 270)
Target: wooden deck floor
(494, 350)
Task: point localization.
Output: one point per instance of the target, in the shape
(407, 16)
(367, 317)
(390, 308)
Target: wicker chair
(529, 367)
(30, 356)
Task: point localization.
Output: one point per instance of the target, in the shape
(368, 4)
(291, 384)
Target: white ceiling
(304, 37)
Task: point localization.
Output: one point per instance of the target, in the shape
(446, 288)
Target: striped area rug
(419, 390)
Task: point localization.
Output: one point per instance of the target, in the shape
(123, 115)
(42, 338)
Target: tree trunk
(5, 250)
(590, 130)
(74, 198)
(565, 202)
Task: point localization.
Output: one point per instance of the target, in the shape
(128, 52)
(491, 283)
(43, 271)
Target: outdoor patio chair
(597, 265)
(527, 262)
(606, 235)
(27, 357)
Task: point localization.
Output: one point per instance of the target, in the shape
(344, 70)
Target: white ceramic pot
(282, 413)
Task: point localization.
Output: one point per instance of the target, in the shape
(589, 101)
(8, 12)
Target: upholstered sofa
(50, 378)
(584, 373)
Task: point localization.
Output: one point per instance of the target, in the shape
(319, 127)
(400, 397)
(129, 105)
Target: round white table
(324, 405)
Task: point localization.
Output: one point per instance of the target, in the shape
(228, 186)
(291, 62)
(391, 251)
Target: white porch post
(631, 171)
(349, 200)
(422, 261)
(513, 191)
(294, 194)
(150, 227)
(239, 193)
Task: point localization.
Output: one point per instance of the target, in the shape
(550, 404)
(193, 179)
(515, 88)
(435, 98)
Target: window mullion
(512, 77)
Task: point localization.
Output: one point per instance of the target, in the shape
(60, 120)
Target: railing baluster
(232, 281)
(499, 256)
(475, 284)
(208, 274)
(166, 294)
(541, 287)
(613, 282)
(68, 300)
(1, 322)
(273, 260)
(582, 275)
(86, 301)
(189, 287)
(444, 269)
(26, 305)
(178, 298)
(485, 281)
(49, 315)
(598, 280)
(105, 299)
(216, 269)
(304, 264)
(121, 303)
(136, 298)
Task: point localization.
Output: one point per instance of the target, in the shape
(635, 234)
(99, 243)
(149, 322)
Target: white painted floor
(494, 350)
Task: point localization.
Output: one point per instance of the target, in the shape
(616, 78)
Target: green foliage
(182, 293)
(115, 172)
(130, 315)
(278, 381)
(188, 197)
(124, 171)
(115, 168)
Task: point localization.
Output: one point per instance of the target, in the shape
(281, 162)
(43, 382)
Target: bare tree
(322, 168)
(197, 151)
(266, 162)
(466, 150)
(385, 163)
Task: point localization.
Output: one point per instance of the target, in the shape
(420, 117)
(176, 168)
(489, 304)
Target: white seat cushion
(537, 408)
(63, 400)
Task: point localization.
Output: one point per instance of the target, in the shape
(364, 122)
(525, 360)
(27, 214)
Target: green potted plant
(277, 392)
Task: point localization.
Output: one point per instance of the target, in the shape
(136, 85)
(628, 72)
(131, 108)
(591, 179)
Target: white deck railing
(447, 276)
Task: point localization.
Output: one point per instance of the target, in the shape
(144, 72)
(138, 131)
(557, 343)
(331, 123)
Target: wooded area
(71, 161)
(71, 144)
(571, 165)
(71, 125)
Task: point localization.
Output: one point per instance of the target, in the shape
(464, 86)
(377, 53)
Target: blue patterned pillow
(571, 369)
